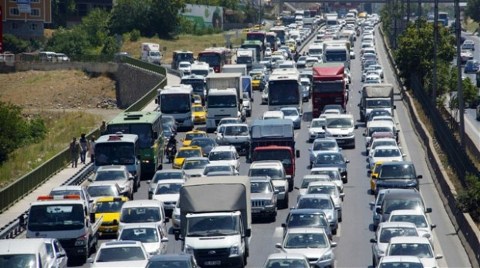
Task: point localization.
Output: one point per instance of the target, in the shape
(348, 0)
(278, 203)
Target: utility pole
(461, 108)
(435, 48)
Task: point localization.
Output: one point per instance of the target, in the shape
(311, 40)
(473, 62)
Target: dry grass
(193, 43)
(471, 26)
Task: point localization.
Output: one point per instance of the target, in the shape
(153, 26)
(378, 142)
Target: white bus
(284, 89)
(177, 102)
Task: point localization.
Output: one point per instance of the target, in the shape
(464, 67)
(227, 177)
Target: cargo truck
(215, 220)
(376, 96)
(329, 86)
(246, 56)
(150, 52)
(235, 68)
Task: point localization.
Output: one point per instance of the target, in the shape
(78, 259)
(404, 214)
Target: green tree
(95, 25)
(128, 15)
(111, 46)
(165, 17)
(13, 44)
(73, 42)
(468, 200)
(473, 10)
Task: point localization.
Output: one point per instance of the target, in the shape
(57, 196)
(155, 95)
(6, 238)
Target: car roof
(378, 123)
(111, 199)
(223, 148)
(407, 212)
(324, 168)
(69, 187)
(325, 139)
(393, 224)
(112, 167)
(170, 170)
(172, 257)
(235, 124)
(197, 158)
(319, 183)
(160, 182)
(315, 176)
(260, 179)
(409, 259)
(142, 203)
(102, 183)
(409, 239)
(119, 244)
(398, 163)
(217, 164)
(140, 225)
(306, 211)
(315, 196)
(266, 163)
(306, 230)
(388, 147)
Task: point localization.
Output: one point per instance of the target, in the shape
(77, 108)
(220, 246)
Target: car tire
(334, 231)
(285, 201)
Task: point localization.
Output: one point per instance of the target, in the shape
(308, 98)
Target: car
(342, 128)
(275, 170)
(329, 111)
(373, 176)
(237, 135)
(307, 218)
(372, 78)
(100, 189)
(264, 198)
(377, 112)
(466, 55)
(293, 114)
(413, 246)
(168, 192)
(120, 254)
(273, 115)
(400, 261)
(176, 218)
(468, 45)
(395, 199)
(323, 202)
(172, 260)
(313, 243)
(227, 120)
(257, 77)
(301, 62)
(419, 218)
(278, 260)
(383, 118)
(225, 154)
(109, 209)
(332, 159)
(379, 126)
(323, 145)
(199, 114)
(310, 61)
(332, 172)
(164, 174)
(119, 174)
(247, 104)
(307, 179)
(471, 66)
(170, 121)
(56, 253)
(219, 169)
(378, 69)
(184, 153)
(206, 143)
(265, 95)
(383, 234)
(143, 211)
(185, 67)
(61, 57)
(268, 52)
(306, 88)
(397, 175)
(328, 187)
(152, 236)
(316, 129)
(376, 215)
(385, 153)
(194, 166)
(192, 134)
(376, 142)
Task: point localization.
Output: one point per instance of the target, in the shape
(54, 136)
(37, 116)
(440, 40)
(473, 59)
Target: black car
(399, 174)
(332, 159)
(396, 199)
(172, 260)
(206, 143)
(307, 218)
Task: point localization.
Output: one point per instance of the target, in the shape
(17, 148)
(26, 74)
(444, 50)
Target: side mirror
(364, 134)
(333, 244)
(428, 210)
(432, 226)
(438, 256)
(177, 236)
(373, 240)
(92, 217)
(371, 204)
(369, 172)
(164, 240)
(288, 177)
(166, 220)
(378, 210)
(276, 191)
(278, 245)
(347, 161)
(394, 106)
(284, 225)
(419, 176)
(90, 260)
(374, 177)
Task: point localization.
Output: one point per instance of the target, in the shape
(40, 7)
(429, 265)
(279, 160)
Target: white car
(168, 192)
(194, 166)
(307, 179)
(416, 217)
(118, 174)
(324, 187)
(56, 253)
(400, 261)
(272, 115)
(311, 242)
(268, 52)
(225, 154)
(333, 172)
(130, 254)
(217, 169)
(247, 104)
(152, 236)
(385, 153)
(413, 246)
(316, 129)
(293, 114)
(296, 260)
(383, 234)
(372, 78)
(381, 142)
(265, 95)
(185, 67)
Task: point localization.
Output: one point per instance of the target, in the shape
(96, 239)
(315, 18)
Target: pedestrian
(103, 128)
(74, 151)
(91, 148)
(83, 148)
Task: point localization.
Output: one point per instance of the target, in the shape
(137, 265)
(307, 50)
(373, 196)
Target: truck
(329, 86)
(375, 96)
(67, 218)
(277, 132)
(331, 19)
(246, 56)
(150, 52)
(337, 51)
(235, 68)
(177, 101)
(216, 233)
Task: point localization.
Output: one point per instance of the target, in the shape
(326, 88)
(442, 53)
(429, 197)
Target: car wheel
(334, 231)
(285, 201)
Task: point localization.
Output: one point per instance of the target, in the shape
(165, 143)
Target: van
(141, 211)
(47, 56)
(24, 253)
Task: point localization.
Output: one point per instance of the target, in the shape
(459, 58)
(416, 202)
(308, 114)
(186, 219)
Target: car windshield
(262, 172)
(209, 169)
(144, 235)
(340, 123)
(167, 175)
(317, 123)
(387, 233)
(18, 260)
(195, 164)
(306, 220)
(101, 190)
(108, 206)
(290, 112)
(315, 203)
(372, 130)
(397, 172)
(190, 136)
(140, 214)
(169, 264)
(329, 159)
(189, 153)
(216, 156)
(109, 175)
(236, 131)
(260, 187)
(117, 254)
(333, 174)
(387, 153)
(322, 189)
(383, 143)
(168, 188)
(198, 109)
(202, 142)
(212, 226)
(418, 220)
(396, 204)
(421, 250)
(324, 145)
(297, 263)
(308, 240)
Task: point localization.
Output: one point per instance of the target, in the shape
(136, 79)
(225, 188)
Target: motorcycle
(170, 152)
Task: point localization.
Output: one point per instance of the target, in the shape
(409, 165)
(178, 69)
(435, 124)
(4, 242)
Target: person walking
(74, 151)
(103, 128)
(91, 148)
(84, 148)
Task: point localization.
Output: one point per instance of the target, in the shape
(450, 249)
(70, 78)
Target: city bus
(284, 89)
(216, 57)
(272, 40)
(257, 36)
(148, 127)
(198, 84)
(281, 32)
(177, 102)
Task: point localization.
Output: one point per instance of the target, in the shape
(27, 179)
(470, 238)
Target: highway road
(354, 248)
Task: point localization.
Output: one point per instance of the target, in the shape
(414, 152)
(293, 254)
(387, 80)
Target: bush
(468, 200)
(134, 35)
(13, 44)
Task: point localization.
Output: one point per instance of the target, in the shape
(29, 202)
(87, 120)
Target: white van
(47, 56)
(31, 252)
(142, 211)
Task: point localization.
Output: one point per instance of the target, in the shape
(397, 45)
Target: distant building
(26, 18)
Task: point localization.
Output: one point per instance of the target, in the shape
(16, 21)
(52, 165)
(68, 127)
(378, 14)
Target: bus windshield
(144, 132)
(56, 217)
(198, 85)
(212, 59)
(283, 92)
(256, 36)
(175, 103)
(114, 153)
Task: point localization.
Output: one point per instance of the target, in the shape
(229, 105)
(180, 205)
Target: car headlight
(329, 216)
(351, 134)
(327, 256)
(188, 250)
(235, 250)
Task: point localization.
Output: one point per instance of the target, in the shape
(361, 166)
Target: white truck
(376, 96)
(215, 223)
(150, 52)
(246, 56)
(224, 98)
(235, 68)
(67, 218)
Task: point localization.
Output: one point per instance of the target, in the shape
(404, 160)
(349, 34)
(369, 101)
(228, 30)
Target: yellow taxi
(192, 134)
(199, 114)
(292, 46)
(109, 208)
(374, 176)
(184, 153)
(257, 77)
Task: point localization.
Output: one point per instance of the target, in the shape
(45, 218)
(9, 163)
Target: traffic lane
(445, 236)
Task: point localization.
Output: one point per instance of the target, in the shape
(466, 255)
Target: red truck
(329, 86)
(285, 154)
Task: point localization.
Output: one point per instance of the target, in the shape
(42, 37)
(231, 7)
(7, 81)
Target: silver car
(264, 198)
(56, 253)
(293, 114)
(118, 174)
(321, 202)
(322, 145)
(328, 187)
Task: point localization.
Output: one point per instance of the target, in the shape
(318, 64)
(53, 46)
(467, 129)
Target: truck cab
(284, 154)
(221, 103)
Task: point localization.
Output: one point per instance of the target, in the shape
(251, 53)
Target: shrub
(134, 35)
(13, 44)
(468, 200)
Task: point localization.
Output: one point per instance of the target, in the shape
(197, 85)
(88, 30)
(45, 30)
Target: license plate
(211, 263)
(340, 141)
(256, 210)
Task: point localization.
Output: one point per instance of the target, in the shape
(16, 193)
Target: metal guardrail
(27, 183)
